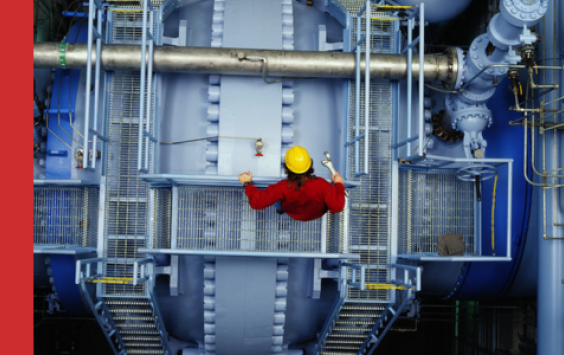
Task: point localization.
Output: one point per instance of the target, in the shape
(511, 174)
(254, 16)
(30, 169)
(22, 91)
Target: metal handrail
(367, 37)
(145, 137)
(89, 160)
(393, 311)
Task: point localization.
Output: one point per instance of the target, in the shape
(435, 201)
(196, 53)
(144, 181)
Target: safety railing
(146, 114)
(329, 323)
(366, 38)
(91, 134)
(219, 221)
(405, 285)
(105, 321)
(448, 199)
(143, 273)
(417, 15)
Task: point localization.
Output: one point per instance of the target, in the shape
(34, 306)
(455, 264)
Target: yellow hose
(493, 215)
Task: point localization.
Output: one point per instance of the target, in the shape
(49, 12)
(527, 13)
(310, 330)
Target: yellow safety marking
(384, 19)
(384, 287)
(493, 214)
(111, 280)
(536, 69)
(393, 7)
(126, 11)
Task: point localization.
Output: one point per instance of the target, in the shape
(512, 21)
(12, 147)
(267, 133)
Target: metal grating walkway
(65, 216)
(221, 219)
(432, 203)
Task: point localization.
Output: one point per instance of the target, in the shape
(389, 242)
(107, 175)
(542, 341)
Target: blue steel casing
(489, 280)
(58, 162)
(63, 268)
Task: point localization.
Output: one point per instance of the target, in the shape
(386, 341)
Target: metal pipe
(230, 61)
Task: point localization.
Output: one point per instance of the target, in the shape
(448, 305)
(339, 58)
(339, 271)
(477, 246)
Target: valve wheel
(469, 173)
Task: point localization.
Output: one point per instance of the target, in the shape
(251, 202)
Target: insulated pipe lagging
(231, 61)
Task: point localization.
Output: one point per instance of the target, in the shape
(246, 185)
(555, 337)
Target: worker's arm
(335, 195)
(259, 199)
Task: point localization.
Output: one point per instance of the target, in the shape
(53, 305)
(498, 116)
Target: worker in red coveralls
(302, 195)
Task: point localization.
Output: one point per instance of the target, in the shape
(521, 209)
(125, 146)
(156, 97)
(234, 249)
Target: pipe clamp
(63, 53)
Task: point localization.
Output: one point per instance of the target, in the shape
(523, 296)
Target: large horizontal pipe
(230, 61)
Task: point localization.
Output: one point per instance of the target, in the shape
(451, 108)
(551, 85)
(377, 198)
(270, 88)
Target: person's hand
(337, 178)
(245, 177)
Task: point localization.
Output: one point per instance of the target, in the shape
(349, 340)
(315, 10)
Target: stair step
(140, 338)
(143, 345)
(134, 318)
(139, 332)
(364, 307)
(355, 330)
(135, 325)
(360, 315)
(331, 347)
(346, 335)
(352, 321)
(342, 341)
(330, 352)
(128, 302)
(145, 352)
(132, 310)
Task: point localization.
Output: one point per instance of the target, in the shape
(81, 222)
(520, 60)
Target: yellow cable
(493, 215)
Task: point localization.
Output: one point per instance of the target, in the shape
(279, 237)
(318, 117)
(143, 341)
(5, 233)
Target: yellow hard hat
(297, 160)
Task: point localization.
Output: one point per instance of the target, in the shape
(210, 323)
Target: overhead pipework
(234, 61)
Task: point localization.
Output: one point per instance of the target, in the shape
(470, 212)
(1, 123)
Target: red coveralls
(312, 201)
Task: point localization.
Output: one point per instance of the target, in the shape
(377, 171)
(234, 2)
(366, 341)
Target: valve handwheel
(469, 173)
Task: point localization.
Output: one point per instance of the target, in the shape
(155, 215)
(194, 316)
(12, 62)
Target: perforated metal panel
(162, 214)
(65, 216)
(432, 203)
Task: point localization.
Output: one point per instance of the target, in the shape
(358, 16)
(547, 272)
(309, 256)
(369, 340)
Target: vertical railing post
(149, 88)
(421, 78)
(142, 85)
(91, 15)
(367, 95)
(357, 96)
(96, 84)
(409, 81)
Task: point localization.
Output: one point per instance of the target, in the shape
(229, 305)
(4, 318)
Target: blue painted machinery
(154, 107)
